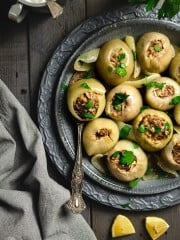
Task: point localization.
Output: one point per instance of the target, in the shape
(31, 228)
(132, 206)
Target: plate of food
(128, 130)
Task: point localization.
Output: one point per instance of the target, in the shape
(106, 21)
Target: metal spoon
(76, 203)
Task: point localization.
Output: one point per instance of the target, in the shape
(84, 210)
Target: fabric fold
(32, 205)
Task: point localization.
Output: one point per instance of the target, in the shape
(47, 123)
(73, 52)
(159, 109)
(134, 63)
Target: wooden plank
(14, 70)
(99, 6)
(103, 217)
(45, 34)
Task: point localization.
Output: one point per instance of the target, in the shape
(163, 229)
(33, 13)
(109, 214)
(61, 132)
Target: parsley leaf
(88, 115)
(154, 84)
(126, 205)
(89, 104)
(121, 70)
(124, 132)
(167, 126)
(85, 85)
(168, 9)
(142, 128)
(127, 158)
(117, 107)
(143, 108)
(151, 4)
(175, 100)
(64, 86)
(119, 98)
(121, 56)
(157, 130)
(157, 48)
(115, 154)
(135, 145)
(134, 182)
(90, 74)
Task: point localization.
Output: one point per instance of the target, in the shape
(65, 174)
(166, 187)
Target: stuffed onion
(86, 99)
(171, 154)
(123, 103)
(174, 68)
(153, 129)
(154, 51)
(115, 62)
(159, 93)
(99, 136)
(126, 162)
(177, 113)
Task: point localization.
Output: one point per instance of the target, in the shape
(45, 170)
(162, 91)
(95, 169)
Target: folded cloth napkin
(32, 205)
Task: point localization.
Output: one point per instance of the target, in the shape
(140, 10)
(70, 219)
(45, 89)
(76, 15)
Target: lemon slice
(122, 226)
(156, 226)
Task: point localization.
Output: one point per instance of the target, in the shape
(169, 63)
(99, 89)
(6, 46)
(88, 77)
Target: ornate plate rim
(47, 88)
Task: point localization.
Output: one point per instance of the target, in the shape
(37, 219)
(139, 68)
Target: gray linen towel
(32, 205)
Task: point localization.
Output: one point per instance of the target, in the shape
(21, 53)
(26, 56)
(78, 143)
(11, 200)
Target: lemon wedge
(156, 226)
(122, 226)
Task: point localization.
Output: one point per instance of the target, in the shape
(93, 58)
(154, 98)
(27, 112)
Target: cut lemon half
(156, 226)
(122, 226)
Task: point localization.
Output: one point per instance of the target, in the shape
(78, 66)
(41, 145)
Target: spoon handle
(76, 203)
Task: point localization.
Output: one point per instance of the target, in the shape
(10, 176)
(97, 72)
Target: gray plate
(61, 147)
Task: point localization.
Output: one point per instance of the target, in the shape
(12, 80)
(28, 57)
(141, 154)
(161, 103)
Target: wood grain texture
(14, 70)
(45, 34)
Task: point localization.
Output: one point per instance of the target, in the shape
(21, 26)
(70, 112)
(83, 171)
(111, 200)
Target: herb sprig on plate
(167, 9)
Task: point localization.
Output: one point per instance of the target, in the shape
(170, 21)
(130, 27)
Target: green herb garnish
(175, 100)
(154, 84)
(157, 48)
(117, 107)
(119, 98)
(127, 158)
(115, 154)
(124, 132)
(167, 126)
(85, 85)
(168, 9)
(143, 108)
(134, 182)
(121, 70)
(89, 104)
(90, 74)
(88, 115)
(135, 145)
(64, 86)
(121, 56)
(126, 205)
(142, 128)
(157, 130)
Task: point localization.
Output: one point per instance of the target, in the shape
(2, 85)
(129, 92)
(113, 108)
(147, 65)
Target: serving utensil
(19, 10)
(76, 203)
(55, 9)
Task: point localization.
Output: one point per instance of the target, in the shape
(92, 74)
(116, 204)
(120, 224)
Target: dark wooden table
(25, 49)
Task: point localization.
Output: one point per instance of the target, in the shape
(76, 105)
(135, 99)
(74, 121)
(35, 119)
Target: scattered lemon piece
(122, 226)
(156, 226)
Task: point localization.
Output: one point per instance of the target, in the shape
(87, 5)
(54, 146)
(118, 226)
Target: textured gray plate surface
(58, 128)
